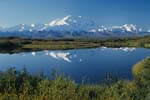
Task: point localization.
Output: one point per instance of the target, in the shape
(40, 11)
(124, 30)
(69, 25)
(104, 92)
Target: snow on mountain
(72, 26)
(143, 30)
(71, 23)
(67, 23)
(140, 29)
(103, 29)
(37, 27)
(129, 27)
(124, 28)
(100, 29)
(117, 29)
(93, 30)
(20, 28)
(32, 25)
(59, 22)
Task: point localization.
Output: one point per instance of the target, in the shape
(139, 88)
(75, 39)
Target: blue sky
(104, 12)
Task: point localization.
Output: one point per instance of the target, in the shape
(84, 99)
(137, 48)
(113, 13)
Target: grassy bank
(15, 85)
(19, 44)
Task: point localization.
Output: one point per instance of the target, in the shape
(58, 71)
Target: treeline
(13, 44)
(128, 42)
(20, 85)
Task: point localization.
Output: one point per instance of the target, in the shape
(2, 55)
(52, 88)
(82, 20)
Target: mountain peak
(129, 27)
(60, 22)
(75, 25)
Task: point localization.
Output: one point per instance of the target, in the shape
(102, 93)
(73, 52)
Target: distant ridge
(71, 27)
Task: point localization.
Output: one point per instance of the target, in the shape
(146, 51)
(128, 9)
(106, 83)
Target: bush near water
(20, 85)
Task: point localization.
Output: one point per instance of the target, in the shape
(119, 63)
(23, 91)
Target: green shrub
(20, 85)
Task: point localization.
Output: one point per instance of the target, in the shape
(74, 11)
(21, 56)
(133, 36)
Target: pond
(80, 64)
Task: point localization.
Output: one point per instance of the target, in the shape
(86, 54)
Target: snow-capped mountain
(68, 23)
(71, 23)
(114, 29)
(72, 26)
(124, 28)
(18, 28)
(24, 27)
(60, 22)
(100, 29)
(129, 28)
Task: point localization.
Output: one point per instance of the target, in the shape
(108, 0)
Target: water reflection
(93, 63)
(125, 49)
(70, 57)
(33, 53)
(60, 55)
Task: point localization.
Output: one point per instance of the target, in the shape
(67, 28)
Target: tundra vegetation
(20, 85)
(14, 44)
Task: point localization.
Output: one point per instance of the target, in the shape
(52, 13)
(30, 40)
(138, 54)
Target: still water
(88, 64)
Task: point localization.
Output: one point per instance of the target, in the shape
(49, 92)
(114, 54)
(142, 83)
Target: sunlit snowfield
(88, 64)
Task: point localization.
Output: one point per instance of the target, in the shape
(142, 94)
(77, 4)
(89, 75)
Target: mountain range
(72, 27)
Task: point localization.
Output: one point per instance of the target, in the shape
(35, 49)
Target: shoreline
(15, 44)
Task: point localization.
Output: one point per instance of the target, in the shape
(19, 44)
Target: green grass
(20, 44)
(58, 46)
(147, 45)
(20, 85)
